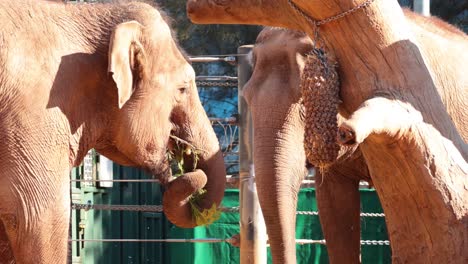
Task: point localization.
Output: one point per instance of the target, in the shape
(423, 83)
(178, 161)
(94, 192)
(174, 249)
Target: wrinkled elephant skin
(278, 60)
(80, 76)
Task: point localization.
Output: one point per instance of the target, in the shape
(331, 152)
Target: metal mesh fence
(218, 95)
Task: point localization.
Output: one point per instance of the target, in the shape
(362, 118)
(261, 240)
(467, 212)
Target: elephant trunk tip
(182, 200)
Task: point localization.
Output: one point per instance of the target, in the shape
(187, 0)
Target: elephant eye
(183, 89)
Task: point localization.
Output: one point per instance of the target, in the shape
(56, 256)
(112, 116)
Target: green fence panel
(148, 225)
(373, 228)
(308, 227)
(106, 224)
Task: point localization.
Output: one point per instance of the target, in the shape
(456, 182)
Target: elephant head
(157, 99)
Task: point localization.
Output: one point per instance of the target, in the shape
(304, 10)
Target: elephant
(277, 62)
(405, 102)
(106, 76)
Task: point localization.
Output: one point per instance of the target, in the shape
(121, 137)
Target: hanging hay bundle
(320, 92)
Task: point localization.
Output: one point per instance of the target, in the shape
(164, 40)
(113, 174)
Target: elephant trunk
(210, 174)
(279, 160)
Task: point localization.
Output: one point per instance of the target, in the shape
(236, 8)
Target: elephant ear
(126, 58)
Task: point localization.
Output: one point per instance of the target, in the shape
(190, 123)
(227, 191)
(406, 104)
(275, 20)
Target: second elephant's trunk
(279, 169)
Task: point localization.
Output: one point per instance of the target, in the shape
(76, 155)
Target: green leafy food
(176, 158)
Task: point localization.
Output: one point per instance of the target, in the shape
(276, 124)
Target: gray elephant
(104, 76)
(274, 97)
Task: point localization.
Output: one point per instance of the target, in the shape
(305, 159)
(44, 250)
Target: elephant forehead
(283, 47)
(177, 74)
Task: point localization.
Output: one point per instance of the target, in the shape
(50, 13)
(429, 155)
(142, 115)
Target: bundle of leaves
(181, 153)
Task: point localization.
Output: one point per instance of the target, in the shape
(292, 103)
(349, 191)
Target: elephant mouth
(185, 193)
(182, 156)
(177, 161)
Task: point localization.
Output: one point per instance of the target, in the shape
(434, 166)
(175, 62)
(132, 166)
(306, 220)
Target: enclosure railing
(422, 7)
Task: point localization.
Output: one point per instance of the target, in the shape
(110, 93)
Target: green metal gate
(106, 224)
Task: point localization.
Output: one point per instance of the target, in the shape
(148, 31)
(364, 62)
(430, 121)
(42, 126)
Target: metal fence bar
(166, 240)
(215, 78)
(422, 7)
(228, 59)
(252, 226)
(230, 120)
(219, 240)
(310, 241)
(127, 180)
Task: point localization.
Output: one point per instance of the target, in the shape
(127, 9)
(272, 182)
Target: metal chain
(138, 208)
(307, 213)
(375, 242)
(216, 84)
(362, 214)
(372, 215)
(330, 19)
(316, 23)
(166, 240)
(363, 242)
(159, 208)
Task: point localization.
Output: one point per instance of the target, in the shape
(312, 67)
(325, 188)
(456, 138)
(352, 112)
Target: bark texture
(425, 197)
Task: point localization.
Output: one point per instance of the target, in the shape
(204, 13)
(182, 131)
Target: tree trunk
(417, 164)
(420, 178)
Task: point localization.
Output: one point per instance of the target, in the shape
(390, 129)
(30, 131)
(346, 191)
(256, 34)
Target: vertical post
(252, 226)
(422, 7)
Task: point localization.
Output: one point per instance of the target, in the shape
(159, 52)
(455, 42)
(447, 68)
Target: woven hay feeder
(320, 92)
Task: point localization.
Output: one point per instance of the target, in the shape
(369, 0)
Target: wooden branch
(421, 179)
(252, 12)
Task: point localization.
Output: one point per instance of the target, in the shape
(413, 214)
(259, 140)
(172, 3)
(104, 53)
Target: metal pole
(422, 7)
(252, 226)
